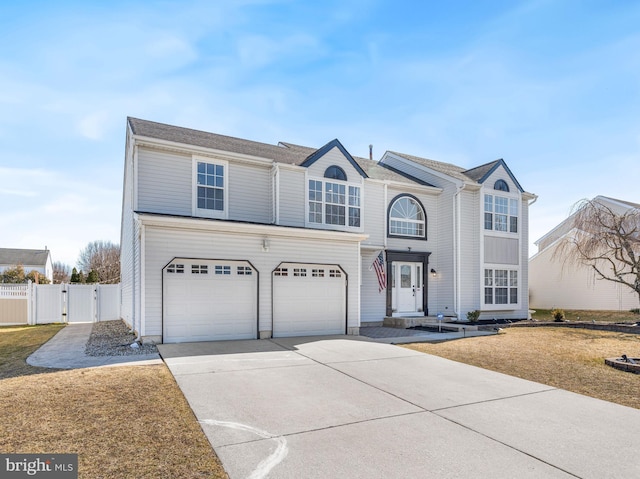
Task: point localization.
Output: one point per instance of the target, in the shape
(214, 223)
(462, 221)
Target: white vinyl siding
(249, 193)
(469, 265)
(553, 284)
(501, 250)
(373, 216)
(164, 182)
(331, 158)
(374, 302)
(292, 194)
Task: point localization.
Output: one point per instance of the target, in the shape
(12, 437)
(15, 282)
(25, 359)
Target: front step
(432, 321)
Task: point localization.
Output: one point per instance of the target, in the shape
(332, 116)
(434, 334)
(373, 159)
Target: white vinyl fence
(58, 303)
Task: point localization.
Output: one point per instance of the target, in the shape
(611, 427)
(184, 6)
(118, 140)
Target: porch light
(265, 245)
(433, 272)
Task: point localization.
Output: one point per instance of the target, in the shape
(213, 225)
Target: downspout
(457, 252)
(276, 193)
(384, 223)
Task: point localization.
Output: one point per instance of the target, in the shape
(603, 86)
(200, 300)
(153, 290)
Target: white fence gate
(49, 304)
(58, 303)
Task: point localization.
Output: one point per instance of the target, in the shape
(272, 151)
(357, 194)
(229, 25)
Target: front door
(408, 288)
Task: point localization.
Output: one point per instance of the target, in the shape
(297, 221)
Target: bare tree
(61, 272)
(104, 258)
(605, 240)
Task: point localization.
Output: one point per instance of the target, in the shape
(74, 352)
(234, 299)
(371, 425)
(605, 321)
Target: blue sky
(551, 86)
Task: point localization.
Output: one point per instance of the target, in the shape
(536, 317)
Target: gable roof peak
(481, 173)
(335, 143)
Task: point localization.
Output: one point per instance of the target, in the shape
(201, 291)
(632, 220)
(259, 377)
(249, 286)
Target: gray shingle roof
(479, 172)
(177, 134)
(31, 257)
(445, 168)
(282, 153)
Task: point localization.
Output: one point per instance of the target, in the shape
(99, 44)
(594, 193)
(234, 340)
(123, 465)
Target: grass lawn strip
(570, 359)
(585, 315)
(17, 343)
(127, 421)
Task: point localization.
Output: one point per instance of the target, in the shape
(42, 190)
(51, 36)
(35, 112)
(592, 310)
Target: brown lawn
(589, 316)
(565, 358)
(127, 421)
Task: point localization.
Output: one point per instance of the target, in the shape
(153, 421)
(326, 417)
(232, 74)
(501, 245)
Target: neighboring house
(225, 238)
(555, 283)
(30, 259)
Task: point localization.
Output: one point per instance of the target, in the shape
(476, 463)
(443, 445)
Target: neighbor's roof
(30, 257)
(282, 153)
(624, 202)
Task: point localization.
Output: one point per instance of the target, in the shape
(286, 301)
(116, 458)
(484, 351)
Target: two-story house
(225, 238)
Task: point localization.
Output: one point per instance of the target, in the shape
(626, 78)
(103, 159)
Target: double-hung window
(333, 201)
(210, 188)
(500, 213)
(500, 286)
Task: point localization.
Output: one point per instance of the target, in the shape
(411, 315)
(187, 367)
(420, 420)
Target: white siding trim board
(248, 228)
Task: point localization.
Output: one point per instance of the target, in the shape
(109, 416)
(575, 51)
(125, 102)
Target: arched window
(335, 173)
(407, 218)
(501, 185)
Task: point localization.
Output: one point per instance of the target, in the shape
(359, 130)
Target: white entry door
(408, 287)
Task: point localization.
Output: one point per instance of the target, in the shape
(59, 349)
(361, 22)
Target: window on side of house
(407, 218)
(500, 286)
(500, 213)
(210, 187)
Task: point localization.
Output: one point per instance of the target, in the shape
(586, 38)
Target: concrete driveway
(344, 406)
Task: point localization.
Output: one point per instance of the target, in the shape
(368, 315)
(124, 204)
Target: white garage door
(308, 299)
(207, 300)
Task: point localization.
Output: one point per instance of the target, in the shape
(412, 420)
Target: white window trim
(324, 225)
(502, 307)
(201, 212)
(509, 196)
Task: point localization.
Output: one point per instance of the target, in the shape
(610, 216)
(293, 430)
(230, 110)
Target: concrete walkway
(344, 406)
(66, 351)
(383, 334)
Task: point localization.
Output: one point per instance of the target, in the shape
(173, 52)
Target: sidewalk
(66, 351)
(382, 334)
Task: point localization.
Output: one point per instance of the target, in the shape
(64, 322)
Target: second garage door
(207, 300)
(308, 300)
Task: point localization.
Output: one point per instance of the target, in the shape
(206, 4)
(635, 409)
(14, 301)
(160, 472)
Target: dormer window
(501, 185)
(333, 201)
(335, 173)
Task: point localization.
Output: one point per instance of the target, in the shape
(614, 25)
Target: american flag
(378, 265)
